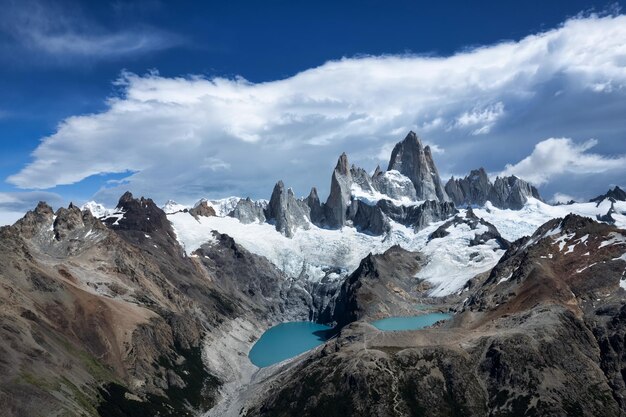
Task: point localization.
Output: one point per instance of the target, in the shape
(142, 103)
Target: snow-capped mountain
(166, 297)
(312, 241)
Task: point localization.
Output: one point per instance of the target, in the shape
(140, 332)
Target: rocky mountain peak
(574, 222)
(339, 197)
(34, 220)
(126, 198)
(287, 212)
(566, 258)
(313, 194)
(512, 192)
(342, 166)
(140, 215)
(616, 194)
(476, 189)
(315, 207)
(479, 173)
(248, 211)
(203, 209)
(415, 161)
(43, 209)
(66, 220)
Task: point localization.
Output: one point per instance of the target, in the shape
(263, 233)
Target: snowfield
(451, 261)
(310, 253)
(513, 224)
(315, 252)
(307, 254)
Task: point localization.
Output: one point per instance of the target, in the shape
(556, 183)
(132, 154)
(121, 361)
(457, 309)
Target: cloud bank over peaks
(187, 137)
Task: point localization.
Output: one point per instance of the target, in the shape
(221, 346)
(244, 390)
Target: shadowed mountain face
(101, 320)
(543, 334)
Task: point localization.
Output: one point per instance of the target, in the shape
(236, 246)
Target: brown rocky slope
(109, 319)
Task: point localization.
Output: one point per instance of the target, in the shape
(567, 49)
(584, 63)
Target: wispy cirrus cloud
(34, 29)
(191, 136)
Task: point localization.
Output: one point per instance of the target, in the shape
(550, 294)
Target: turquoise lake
(287, 340)
(410, 322)
(290, 339)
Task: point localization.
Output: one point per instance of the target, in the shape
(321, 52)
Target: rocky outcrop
(286, 212)
(617, 194)
(248, 211)
(476, 189)
(316, 209)
(485, 230)
(382, 285)
(512, 192)
(31, 223)
(608, 217)
(415, 161)
(202, 209)
(139, 215)
(418, 216)
(368, 218)
(374, 218)
(335, 209)
(394, 185)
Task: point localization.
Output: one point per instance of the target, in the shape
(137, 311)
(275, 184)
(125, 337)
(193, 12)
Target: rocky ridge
(409, 193)
(476, 189)
(111, 318)
(616, 193)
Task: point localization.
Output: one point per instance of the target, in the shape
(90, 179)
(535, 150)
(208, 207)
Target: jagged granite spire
(248, 211)
(415, 161)
(339, 197)
(512, 192)
(315, 207)
(287, 212)
(474, 189)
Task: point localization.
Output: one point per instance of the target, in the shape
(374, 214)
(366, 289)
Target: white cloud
(183, 137)
(65, 33)
(557, 156)
(562, 198)
(481, 119)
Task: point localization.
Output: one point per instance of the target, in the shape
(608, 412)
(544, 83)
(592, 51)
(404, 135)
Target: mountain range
(143, 310)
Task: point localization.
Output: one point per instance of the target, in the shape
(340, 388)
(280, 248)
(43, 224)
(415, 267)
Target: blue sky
(208, 99)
